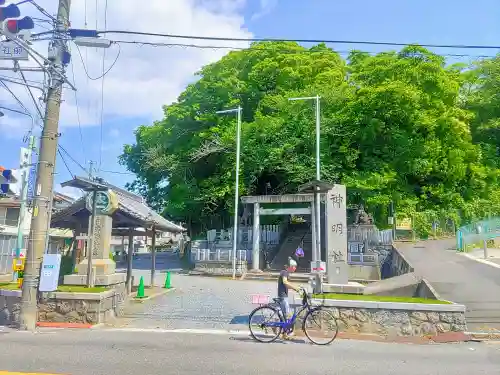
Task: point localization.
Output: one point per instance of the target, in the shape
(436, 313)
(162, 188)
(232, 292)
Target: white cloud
(70, 191)
(266, 7)
(143, 78)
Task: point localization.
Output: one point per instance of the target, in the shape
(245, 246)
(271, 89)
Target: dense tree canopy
(398, 126)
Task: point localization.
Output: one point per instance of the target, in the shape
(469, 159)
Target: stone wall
(395, 264)
(62, 307)
(397, 319)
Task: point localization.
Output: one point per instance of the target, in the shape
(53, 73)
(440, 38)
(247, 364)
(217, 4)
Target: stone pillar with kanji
(336, 235)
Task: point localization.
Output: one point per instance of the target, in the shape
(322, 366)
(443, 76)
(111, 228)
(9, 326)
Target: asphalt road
(459, 279)
(99, 352)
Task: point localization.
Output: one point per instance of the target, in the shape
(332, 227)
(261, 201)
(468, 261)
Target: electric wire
(281, 50)
(28, 89)
(65, 163)
(73, 159)
(15, 97)
(78, 114)
(104, 73)
(315, 41)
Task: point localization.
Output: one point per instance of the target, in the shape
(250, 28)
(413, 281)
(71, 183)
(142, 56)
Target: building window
(12, 216)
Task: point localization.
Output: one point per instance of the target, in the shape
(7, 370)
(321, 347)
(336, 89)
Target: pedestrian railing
(362, 259)
(217, 255)
(474, 234)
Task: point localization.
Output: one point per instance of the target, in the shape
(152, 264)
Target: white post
(236, 191)
(318, 177)
(256, 237)
(313, 232)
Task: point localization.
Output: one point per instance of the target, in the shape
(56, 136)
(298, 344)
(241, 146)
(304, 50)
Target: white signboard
(12, 51)
(49, 275)
(318, 267)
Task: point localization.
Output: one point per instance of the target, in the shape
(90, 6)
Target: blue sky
(423, 21)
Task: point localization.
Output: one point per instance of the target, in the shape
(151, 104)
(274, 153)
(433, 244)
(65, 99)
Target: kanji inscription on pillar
(336, 213)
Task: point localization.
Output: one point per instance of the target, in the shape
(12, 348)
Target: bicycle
(284, 325)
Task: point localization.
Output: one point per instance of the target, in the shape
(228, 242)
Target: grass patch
(9, 286)
(364, 297)
(62, 288)
(81, 289)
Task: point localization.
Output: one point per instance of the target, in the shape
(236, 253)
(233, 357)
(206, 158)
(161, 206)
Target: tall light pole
(236, 110)
(318, 174)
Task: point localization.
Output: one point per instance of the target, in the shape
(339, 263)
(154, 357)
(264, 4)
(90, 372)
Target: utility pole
(45, 173)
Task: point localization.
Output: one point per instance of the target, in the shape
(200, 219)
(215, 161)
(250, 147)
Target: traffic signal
(14, 26)
(9, 11)
(6, 179)
(10, 21)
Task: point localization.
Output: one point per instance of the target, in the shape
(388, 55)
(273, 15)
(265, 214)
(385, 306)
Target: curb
(484, 261)
(484, 336)
(139, 300)
(64, 325)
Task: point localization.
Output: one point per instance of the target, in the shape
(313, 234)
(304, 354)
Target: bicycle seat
(277, 300)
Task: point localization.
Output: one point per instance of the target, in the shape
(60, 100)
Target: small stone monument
(104, 268)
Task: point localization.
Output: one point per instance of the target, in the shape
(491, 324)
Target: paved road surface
(459, 279)
(200, 302)
(98, 352)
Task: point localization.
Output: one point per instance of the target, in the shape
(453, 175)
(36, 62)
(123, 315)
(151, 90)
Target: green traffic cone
(168, 283)
(140, 289)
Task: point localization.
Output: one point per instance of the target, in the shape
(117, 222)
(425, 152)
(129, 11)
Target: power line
(72, 158)
(315, 41)
(15, 97)
(281, 50)
(78, 114)
(66, 164)
(31, 95)
(117, 172)
(104, 72)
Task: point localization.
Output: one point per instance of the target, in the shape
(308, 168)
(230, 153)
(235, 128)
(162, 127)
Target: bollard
(140, 289)
(168, 282)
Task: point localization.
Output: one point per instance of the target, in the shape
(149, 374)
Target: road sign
(49, 276)
(106, 202)
(318, 267)
(12, 51)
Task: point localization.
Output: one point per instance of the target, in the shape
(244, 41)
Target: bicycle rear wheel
(264, 324)
(320, 326)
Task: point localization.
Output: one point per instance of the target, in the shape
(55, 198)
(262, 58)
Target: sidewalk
(478, 255)
(459, 279)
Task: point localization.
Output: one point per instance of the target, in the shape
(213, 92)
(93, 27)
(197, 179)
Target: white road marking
(184, 330)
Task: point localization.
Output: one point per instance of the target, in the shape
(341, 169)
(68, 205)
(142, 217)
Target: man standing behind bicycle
(284, 284)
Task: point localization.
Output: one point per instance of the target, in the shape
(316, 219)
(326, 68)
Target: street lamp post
(317, 202)
(237, 182)
(24, 186)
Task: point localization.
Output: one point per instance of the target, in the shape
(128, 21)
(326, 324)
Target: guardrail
(362, 259)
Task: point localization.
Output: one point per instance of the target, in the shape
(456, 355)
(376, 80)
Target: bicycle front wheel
(265, 324)
(320, 326)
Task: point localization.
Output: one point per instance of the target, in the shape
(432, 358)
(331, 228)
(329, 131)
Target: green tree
(395, 126)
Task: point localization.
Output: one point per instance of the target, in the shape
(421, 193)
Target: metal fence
(8, 244)
(476, 233)
(269, 234)
(217, 255)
